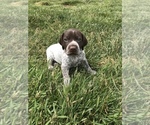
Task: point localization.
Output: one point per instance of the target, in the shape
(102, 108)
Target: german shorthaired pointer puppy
(69, 53)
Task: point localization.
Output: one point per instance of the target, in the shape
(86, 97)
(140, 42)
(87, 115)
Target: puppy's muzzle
(72, 49)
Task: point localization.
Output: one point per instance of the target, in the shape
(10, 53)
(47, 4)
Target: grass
(89, 100)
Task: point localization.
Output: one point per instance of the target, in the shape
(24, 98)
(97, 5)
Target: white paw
(50, 67)
(93, 72)
(66, 81)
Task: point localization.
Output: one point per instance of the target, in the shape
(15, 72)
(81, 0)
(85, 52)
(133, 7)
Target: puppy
(69, 53)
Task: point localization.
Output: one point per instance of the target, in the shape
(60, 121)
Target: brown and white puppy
(69, 53)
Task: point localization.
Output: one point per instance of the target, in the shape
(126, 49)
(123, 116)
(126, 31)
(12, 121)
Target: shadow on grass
(71, 3)
(43, 3)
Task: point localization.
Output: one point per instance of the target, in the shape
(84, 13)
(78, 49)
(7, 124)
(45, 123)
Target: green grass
(89, 100)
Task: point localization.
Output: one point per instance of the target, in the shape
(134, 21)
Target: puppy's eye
(79, 40)
(65, 40)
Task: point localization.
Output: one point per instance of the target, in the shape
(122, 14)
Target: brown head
(73, 41)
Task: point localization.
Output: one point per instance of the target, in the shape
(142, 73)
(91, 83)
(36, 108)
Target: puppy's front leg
(87, 67)
(65, 73)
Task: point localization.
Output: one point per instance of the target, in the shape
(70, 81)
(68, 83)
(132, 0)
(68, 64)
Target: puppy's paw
(93, 72)
(50, 67)
(66, 81)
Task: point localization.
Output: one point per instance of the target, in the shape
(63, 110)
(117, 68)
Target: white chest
(72, 60)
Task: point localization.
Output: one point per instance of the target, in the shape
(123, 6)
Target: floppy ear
(84, 41)
(61, 40)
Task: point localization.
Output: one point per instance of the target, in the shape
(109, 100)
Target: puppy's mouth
(72, 53)
(72, 50)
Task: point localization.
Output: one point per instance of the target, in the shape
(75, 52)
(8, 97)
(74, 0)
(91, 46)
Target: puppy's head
(73, 41)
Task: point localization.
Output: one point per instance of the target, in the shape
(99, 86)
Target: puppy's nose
(73, 48)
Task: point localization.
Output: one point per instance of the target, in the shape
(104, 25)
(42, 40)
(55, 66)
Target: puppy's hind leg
(51, 63)
(50, 58)
(87, 67)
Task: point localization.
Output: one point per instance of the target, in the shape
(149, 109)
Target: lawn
(89, 100)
